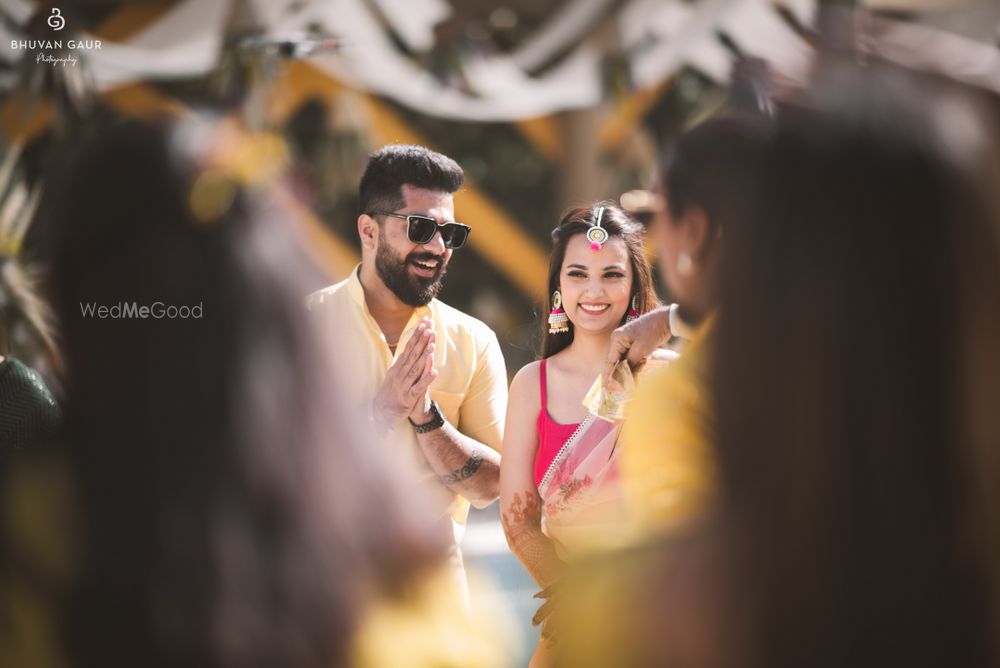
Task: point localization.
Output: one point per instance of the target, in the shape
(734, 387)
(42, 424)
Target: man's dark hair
(391, 166)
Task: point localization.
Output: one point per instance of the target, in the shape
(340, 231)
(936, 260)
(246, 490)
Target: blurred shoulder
(656, 374)
(328, 296)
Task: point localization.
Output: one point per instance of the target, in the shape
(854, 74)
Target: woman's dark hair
(230, 513)
(618, 224)
(710, 166)
(25, 318)
(858, 355)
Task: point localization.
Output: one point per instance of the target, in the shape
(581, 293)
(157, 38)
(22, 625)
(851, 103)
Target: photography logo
(56, 20)
(56, 51)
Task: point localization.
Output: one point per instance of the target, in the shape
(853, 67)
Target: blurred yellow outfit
(36, 564)
(667, 466)
(421, 630)
(668, 478)
(417, 629)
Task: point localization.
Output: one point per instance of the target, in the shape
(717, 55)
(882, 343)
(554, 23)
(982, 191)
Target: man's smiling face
(413, 272)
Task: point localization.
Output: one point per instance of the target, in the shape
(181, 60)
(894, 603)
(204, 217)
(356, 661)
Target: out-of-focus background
(545, 104)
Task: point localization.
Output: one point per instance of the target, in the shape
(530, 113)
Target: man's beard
(393, 270)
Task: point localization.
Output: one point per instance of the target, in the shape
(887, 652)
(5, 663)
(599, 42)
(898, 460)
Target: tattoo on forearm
(467, 471)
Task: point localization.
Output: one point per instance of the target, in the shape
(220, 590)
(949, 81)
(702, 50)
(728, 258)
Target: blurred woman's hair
(709, 166)
(26, 327)
(231, 513)
(25, 319)
(618, 224)
(858, 371)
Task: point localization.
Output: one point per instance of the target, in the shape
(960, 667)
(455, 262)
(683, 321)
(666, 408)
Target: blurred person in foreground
(225, 510)
(428, 377)
(704, 183)
(28, 409)
(858, 441)
(559, 490)
(859, 445)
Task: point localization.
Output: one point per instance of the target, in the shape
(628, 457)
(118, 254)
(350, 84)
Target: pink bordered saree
(582, 505)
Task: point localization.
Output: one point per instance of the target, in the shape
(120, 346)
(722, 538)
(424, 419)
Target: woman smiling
(558, 490)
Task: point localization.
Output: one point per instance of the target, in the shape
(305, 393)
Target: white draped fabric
(186, 42)
(658, 36)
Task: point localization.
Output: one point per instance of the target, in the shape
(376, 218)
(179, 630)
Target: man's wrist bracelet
(437, 421)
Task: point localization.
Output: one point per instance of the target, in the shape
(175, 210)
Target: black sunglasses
(421, 229)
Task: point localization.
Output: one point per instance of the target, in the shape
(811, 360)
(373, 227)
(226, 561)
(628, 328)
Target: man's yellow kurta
(470, 389)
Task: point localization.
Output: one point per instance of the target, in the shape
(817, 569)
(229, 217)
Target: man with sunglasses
(428, 377)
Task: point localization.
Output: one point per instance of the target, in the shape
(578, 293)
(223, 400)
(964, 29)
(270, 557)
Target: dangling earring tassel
(633, 313)
(558, 320)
